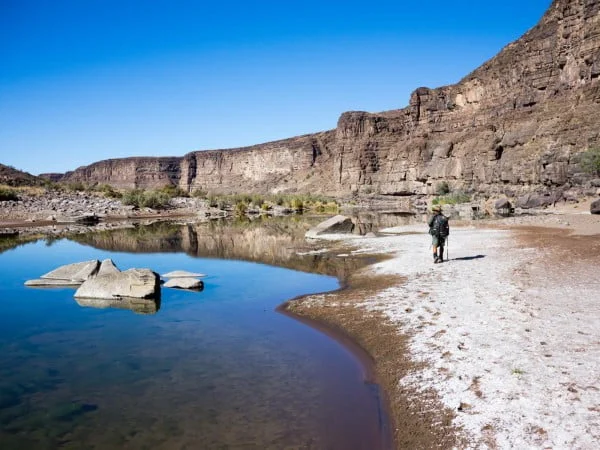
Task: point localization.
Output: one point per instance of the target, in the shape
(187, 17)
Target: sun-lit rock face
(514, 125)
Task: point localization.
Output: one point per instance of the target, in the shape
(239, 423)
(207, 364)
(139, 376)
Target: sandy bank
(500, 346)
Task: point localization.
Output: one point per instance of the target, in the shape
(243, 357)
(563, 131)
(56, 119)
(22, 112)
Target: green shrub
(590, 161)
(8, 194)
(442, 188)
(241, 208)
(76, 186)
(146, 199)
(199, 193)
(297, 204)
(452, 199)
(109, 191)
(173, 191)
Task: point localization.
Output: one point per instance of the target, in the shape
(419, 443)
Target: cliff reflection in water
(273, 241)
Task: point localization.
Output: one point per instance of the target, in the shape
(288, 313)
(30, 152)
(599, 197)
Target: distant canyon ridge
(515, 125)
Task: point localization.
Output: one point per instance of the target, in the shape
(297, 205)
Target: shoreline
(366, 363)
(444, 379)
(412, 424)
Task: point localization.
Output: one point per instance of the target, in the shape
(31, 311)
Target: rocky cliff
(514, 125)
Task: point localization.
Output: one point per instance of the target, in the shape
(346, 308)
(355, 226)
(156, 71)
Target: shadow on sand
(468, 258)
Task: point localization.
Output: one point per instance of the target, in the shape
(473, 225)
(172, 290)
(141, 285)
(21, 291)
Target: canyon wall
(516, 124)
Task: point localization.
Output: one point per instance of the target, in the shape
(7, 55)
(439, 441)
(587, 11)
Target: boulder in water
(136, 283)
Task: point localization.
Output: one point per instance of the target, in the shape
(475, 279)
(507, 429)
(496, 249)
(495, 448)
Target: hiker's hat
(436, 208)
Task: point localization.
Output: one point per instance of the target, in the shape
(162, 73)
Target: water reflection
(275, 241)
(137, 305)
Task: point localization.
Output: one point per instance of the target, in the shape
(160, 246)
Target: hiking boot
(437, 260)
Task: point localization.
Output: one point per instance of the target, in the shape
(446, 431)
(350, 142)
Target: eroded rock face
(132, 283)
(516, 124)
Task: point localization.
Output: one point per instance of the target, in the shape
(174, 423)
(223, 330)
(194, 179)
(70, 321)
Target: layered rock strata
(515, 125)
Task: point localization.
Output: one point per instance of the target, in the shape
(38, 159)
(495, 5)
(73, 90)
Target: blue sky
(82, 81)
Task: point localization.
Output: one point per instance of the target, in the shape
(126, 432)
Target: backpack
(440, 226)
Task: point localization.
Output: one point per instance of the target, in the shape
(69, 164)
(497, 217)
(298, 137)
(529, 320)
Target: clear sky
(85, 80)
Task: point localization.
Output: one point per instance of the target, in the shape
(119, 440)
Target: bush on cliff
(442, 188)
(590, 161)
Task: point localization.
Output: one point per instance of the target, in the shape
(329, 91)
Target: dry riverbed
(497, 348)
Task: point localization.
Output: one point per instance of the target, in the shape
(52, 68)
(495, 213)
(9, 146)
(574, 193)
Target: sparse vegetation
(297, 203)
(199, 193)
(173, 191)
(146, 199)
(517, 371)
(241, 208)
(442, 188)
(109, 191)
(452, 199)
(590, 161)
(8, 194)
(76, 186)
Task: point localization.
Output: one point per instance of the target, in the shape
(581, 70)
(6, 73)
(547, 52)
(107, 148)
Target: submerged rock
(136, 283)
(185, 283)
(182, 274)
(336, 224)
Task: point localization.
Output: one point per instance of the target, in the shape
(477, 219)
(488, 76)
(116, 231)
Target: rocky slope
(514, 125)
(14, 177)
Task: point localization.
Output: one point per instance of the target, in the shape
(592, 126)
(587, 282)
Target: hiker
(439, 231)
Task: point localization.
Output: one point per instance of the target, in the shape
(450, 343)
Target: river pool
(213, 369)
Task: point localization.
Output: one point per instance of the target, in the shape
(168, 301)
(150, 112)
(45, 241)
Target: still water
(197, 370)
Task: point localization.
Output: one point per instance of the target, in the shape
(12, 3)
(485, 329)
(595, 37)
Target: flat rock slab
(136, 283)
(182, 274)
(185, 283)
(48, 282)
(336, 224)
(80, 271)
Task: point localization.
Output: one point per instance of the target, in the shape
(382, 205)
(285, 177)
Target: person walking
(439, 230)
